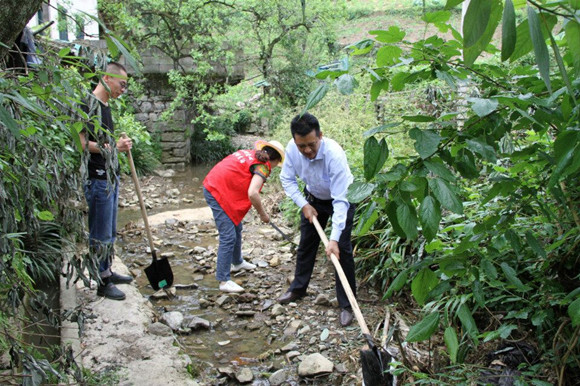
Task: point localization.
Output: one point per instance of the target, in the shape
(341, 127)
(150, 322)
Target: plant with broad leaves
(485, 214)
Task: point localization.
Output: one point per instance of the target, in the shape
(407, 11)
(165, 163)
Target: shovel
(284, 235)
(159, 271)
(374, 361)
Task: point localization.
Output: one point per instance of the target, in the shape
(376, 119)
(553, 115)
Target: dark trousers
(309, 242)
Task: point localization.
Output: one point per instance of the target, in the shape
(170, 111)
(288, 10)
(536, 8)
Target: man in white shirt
(321, 163)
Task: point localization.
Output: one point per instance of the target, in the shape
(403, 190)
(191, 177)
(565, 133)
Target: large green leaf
(436, 167)
(565, 149)
(436, 17)
(489, 269)
(445, 195)
(393, 35)
(574, 312)
(418, 118)
(426, 141)
(407, 219)
(430, 216)
(467, 321)
(479, 28)
(483, 107)
(479, 146)
(380, 129)
(452, 3)
(375, 156)
(397, 284)
(512, 277)
(523, 38)
(540, 47)
(535, 245)
(424, 329)
(572, 29)
(392, 215)
(316, 96)
(475, 21)
(565, 166)
(388, 55)
(367, 219)
(377, 87)
(346, 84)
(399, 80)
(358, 191)
(452, 343)
(508, 31)
(422, 283)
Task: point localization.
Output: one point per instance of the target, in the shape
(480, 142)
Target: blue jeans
(230, 243)
(102, 200)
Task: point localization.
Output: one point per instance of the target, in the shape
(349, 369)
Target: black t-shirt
(97, 163)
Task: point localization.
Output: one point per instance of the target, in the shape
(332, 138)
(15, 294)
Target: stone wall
(175, 132)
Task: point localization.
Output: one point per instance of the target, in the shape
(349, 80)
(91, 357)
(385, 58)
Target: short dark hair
(115, 68)
(304, 124)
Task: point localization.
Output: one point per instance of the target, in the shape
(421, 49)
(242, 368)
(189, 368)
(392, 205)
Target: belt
(311, 198)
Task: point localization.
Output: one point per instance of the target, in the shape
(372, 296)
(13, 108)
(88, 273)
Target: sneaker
(243, 265)
(116, 278)
(110, 292)
(230, 286)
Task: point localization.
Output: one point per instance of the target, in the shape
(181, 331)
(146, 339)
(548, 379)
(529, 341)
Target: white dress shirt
(327, 177)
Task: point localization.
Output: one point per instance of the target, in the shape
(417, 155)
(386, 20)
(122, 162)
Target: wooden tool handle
(141, 203)
(343, 280)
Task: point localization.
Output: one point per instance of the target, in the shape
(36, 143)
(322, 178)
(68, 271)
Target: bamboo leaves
(508, 28)
(572, 28)
(540, 47)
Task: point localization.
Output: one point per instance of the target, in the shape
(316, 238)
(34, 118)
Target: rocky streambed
(245, 338)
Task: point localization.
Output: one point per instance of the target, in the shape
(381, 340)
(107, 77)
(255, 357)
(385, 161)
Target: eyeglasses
(123, 85)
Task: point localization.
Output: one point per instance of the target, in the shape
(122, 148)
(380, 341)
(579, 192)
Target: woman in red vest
(230, 189)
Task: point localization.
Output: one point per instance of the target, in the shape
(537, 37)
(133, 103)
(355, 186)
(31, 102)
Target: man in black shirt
(102, 185)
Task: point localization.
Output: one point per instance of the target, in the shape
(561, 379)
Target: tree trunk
(14, 14)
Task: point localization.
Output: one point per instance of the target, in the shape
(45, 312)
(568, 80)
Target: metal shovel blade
(284, 235)
(159, 274)
(374, 363)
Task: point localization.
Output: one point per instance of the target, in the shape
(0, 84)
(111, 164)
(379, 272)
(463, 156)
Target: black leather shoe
(289, 297)
(345, 317)
(110, 292)
(115, 278)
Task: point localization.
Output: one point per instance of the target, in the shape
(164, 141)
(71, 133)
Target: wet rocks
(244, 375)
(197, 323)
(160, 329)
(314, 364)
(173, 319)
(278, 378)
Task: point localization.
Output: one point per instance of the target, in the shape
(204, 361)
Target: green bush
(146, 152)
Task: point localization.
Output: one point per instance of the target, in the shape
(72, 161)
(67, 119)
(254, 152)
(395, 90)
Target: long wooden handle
(343, 280)
(141, 203)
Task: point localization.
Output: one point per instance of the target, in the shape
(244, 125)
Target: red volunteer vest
(229, 180)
